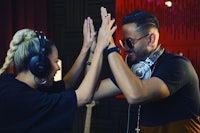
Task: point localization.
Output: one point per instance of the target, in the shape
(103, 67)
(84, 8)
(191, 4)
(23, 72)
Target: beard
(136, 57)
(131, 59)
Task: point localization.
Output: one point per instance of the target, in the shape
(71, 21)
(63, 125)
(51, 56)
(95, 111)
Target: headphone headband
(154, 56)
(143, 68)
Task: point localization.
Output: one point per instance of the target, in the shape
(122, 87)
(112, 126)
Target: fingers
(84, 25)
(88, 32)
(105, 16)
(103, 13)
(106, 30)
(92, 30)
(110, 24)
(112, 31)
(88, 24)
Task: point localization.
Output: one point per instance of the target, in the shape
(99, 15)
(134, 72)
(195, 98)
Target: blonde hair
(19, 50)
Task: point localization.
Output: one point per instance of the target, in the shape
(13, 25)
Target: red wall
(180, 24)
(21, 14)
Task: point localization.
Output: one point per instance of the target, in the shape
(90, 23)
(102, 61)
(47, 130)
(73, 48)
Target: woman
(31, 101)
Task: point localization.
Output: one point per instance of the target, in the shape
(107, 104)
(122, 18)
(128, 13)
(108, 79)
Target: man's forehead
(129, 29)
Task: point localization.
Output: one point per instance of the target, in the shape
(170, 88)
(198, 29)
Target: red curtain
(179, 24)
(19, 14)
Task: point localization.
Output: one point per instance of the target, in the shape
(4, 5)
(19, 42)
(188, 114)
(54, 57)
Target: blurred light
(168, 3)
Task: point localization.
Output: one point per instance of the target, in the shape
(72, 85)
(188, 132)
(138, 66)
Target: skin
(53, 58)
(135, 90)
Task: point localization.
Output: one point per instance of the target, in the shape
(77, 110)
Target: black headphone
(143, 68)
(39, 64)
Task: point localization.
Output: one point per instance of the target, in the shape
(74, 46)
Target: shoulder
(9, 81)
(171, 60)
(176, 71)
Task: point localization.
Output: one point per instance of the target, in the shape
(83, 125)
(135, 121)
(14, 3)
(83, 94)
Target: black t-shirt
(184, 101)
(178, 113)
(27, 110)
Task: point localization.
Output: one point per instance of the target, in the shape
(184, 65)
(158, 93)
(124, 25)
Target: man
(164, 85)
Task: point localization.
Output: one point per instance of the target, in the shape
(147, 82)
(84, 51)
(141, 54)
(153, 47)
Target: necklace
(137, 129)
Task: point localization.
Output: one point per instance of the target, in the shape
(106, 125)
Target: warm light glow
(168, 3)
(58, 75)
(120, 42)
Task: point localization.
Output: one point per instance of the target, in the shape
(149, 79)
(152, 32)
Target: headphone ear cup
(142, 70)
(40, 68)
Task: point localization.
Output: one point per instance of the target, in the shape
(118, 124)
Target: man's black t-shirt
(184, 101)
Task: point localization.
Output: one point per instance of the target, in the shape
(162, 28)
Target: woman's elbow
(83, 99)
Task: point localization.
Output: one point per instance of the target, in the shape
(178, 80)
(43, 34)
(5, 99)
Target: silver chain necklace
(137, 129)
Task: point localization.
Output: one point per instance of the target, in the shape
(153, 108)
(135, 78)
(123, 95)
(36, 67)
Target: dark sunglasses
(130, 42)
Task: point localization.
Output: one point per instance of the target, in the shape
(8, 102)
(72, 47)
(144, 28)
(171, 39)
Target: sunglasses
(130, 42)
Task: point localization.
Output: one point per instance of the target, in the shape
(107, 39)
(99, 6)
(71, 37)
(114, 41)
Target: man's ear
(152, 40)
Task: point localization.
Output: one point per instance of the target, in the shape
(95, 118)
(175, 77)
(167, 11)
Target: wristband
(113, 49)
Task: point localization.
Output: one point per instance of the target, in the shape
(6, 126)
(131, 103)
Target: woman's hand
(106, 30)
(88, 33)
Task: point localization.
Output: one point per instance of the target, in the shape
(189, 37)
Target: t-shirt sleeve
(175, 72)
